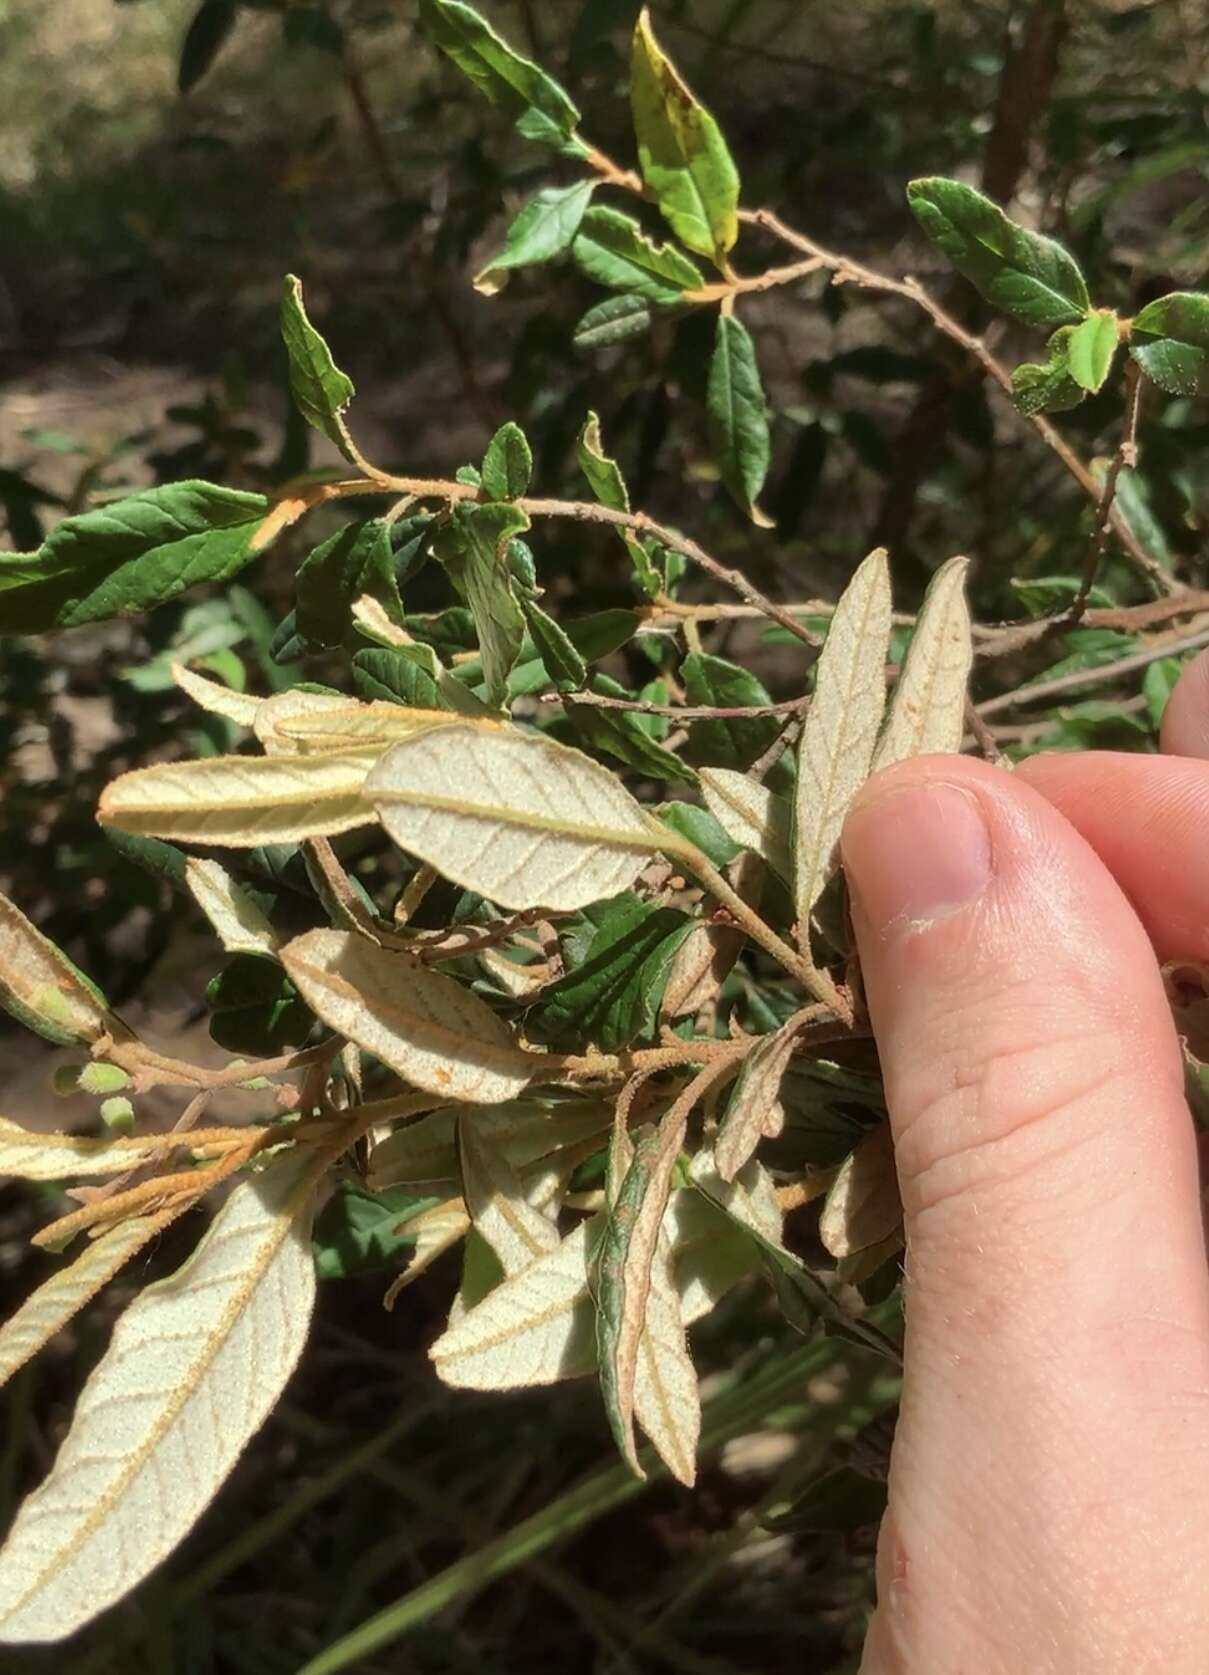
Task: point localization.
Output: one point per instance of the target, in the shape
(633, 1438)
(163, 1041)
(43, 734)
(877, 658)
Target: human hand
(1049, 1485)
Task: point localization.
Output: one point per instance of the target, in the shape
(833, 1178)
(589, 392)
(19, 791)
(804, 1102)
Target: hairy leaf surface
(42, 988)
(841, 728)
(427, 1027)
(928, 710)
(521, 819)
(193, 1367)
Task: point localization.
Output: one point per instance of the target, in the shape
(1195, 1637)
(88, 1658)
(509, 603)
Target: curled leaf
(215, 698)
(516, 1232)
(754, 1109)
(863, 1208)
(238, 922)
(41, 987)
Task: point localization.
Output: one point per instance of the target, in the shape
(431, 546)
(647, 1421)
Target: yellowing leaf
(667, 1402)
(928, 711)
(522, 820)
(48, 1309)
(41, 987)
(683, 156)
(193, 1367)
(242, 801)
(60, 1157)
(238, 923)
(754, 1109)
(863, 1208)
(516, 1232)
(427, 1027)
(289, 722)
(750, 815)
(535, 1328)
(841, 728)
(215, 698)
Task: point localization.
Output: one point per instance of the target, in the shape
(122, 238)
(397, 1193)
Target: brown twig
(846, 271)
(680, 712)
(1125, 456)
(1040, 689)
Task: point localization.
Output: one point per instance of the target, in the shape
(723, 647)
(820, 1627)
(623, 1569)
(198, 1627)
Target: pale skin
(1049, 1487)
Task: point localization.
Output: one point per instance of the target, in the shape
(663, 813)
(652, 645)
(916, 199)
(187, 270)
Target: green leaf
(320, 390)
(1091, 347)
(612, 249)
(255, 1009)
(700, 828)
(209, 27)
(737, 416)
(412, 675)
(1170, 342)
(360, 1232)
(560, 659)
(1049, 386)
(542, 109)
(507, 464)
(733, 743)
(1021, 272)
(543, 229)
(681, 152)
(614, 320)
(473, 547)
(612, 1000)
(1158, 684)
(129, 555)
(608, 485)
(358, 559)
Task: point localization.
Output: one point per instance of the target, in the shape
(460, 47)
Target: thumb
(1056, 1293)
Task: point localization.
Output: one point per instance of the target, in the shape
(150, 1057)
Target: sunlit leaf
(30, 1155)
(516, 1232)
(192, 1369)
(863, 1208)
(535, 1328)
(751, 816)
(473, 547)
(507, 464)
(544, 228)
(1170, 342)
(1049, 386)
(928, 710)
(1022, 272)
(215, 698)
(238, 922)
(754, 1109)
(841, 728)
(524, 821)
(242, 801)
(524, 1131)
(41, 987)
(612, 249)
(320, 390)
(608, 485)
(683, 156)
(623, 1274)
(48, 1309)
(427, 1027)
(129, 555)
(540, 106)
(1092, 347)
(667, 1402)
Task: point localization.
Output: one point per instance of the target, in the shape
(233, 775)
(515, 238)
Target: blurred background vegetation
(160, 169)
